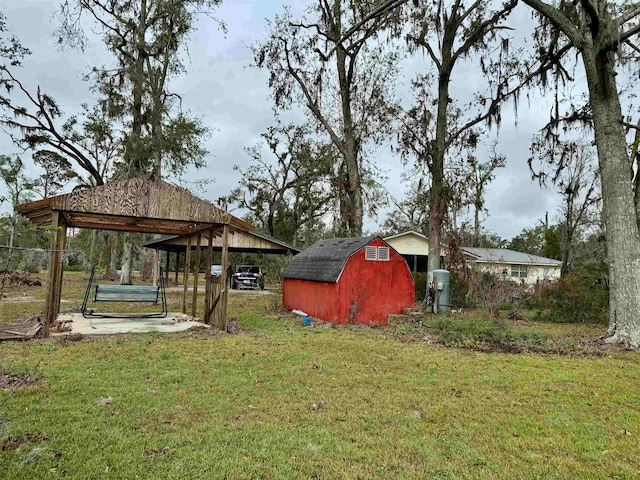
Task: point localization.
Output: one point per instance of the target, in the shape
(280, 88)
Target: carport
(239, 241)
(144, 204)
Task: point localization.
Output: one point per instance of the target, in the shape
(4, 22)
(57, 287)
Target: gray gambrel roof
(324, 260)
(504, 255)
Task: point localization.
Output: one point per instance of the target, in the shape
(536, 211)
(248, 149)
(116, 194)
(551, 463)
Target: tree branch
(310, 100)
(628, 15)
(482, 29)
(559, 19)
(624, 36)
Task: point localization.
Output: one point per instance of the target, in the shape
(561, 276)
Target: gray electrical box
(441, 281)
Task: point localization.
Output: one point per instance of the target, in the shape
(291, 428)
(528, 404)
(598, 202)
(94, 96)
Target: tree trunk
(12, 233)
(351, 204)
(477, 205)
(134, 150)
(126, 273)
(635, 156)
(439, 199)
(113, 252)
(567, 246)
(619, 213)
(567, 241)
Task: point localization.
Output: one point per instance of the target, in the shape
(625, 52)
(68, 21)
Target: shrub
(459, 290)
(495, 293)
(420, 282)
(580, 296)
(480, 330)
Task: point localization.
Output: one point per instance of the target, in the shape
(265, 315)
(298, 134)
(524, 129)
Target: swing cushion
(126, 293)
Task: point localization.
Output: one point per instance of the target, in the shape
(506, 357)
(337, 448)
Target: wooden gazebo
(143, 204)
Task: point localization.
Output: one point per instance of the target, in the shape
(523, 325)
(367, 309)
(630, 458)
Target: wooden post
(207, 276)
(175, 280)
(185, 277)
(166, 270)
(62, 248)
(224, 290)
(156, 260)
(54, 283)
(196, 276)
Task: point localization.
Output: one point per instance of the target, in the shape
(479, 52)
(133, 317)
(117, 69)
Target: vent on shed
(371, 253)
(383, 254)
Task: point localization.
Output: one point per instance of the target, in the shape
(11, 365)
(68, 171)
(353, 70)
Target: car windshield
(248, 269)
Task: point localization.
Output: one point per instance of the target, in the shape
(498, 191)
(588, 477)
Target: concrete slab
(109, 326)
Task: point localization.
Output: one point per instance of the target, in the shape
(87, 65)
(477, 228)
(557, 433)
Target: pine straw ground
(280, 400)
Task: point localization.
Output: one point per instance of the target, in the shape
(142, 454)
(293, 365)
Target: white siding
(409, 244)
(535, 273)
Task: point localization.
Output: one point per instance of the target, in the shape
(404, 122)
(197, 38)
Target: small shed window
(383, 253)
(371, 253)
(519, 271)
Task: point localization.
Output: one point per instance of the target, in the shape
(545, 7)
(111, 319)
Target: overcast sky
(233, 99)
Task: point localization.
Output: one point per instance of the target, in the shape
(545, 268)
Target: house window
(371, 253)
(519, 271)
(383, 254)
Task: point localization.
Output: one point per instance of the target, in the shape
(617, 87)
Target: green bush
(580, 296)
(420, 282)
(470, 331)
(459, 290)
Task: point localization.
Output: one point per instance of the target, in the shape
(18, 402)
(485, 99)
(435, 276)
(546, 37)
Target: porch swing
(125, 293)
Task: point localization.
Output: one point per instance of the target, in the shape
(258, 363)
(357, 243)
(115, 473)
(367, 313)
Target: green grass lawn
(280, 400)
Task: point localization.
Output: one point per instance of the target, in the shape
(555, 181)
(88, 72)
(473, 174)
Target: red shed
(349, 280)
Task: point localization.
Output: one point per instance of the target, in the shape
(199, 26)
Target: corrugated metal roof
(324, 260)
(504, 255)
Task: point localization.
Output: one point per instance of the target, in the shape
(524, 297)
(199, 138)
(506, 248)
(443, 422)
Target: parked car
(216, 270)
(248, 276)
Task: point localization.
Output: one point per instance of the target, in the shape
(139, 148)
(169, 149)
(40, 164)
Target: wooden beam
(133, 224)
(196, 276)
(185, 277)
(207, 275)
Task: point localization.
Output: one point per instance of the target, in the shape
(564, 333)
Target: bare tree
(481, 175)
(344, 84)
(571, 167)
(448, 33)
(412, 212)
(290, 191)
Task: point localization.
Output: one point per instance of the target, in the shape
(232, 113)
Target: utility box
(441, 281)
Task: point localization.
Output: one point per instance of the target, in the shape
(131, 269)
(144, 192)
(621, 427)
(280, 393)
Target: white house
(414, 248)
(513, 265)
